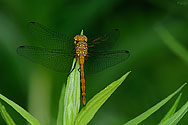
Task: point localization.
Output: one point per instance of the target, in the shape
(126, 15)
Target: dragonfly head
(80, 38)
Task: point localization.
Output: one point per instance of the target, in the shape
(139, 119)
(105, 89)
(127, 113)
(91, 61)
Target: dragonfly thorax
(81, 49)
(80, 45)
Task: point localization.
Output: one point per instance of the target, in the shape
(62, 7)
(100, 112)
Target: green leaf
(150, 111)
(72, 96)
(174, 119)
(172, 109)
(61, 107)
(21, 111)
(172, 43)
(88, 112)
(82, 32)
(6, 116)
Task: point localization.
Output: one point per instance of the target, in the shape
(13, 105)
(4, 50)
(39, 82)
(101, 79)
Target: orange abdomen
(82, 77)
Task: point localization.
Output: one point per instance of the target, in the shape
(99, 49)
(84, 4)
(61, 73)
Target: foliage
(155, 33)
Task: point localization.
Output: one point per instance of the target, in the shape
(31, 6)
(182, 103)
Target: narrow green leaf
(6, 116)
(82, 32)
(21, 111)
(61, 107)
(176, 117)
(150, 111)
(172, 109)
(88, 112)
(72, 96)
(172, 43)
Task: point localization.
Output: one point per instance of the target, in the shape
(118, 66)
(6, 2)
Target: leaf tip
(125, 76)
(82, 32)
(128, 73)
(184, 85)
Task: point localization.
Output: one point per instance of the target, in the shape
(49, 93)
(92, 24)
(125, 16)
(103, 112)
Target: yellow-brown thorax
(80, 45)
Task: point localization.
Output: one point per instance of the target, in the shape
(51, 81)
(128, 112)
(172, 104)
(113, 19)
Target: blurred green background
(156, 69)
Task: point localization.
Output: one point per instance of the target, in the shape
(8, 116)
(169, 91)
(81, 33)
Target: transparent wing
(104, 42)
(48, 38)
(55, 59)
(98, 61)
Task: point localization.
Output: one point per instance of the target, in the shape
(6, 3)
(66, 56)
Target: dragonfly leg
(73, 67)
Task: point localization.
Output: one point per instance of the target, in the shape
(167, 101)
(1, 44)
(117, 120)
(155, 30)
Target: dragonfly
(56, 51)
